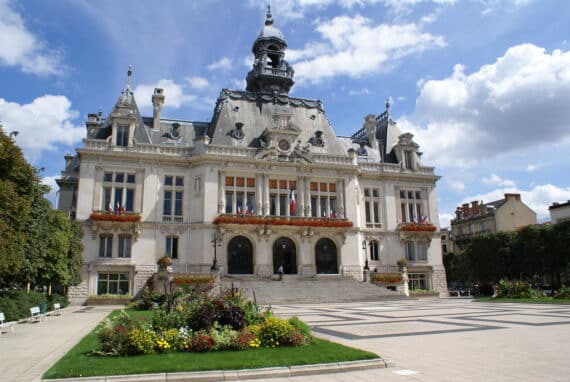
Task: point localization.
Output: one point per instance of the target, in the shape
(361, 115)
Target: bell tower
(271, 73)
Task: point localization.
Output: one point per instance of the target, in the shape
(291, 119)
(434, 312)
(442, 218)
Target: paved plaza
(447, 339)
(426, 340)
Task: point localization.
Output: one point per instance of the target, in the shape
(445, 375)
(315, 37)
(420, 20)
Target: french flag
(292, 204)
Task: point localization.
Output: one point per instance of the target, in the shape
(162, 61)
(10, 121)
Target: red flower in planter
(114, 217)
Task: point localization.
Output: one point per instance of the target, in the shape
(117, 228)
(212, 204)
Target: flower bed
(388, 278)
(292, 221)
(200, 322)
(116, 217)
(416, 227)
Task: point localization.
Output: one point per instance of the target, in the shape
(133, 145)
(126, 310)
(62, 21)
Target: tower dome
(271, 72)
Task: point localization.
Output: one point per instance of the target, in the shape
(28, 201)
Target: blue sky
(484, 85)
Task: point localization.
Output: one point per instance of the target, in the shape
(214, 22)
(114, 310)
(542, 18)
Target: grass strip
(79, 362)
(538, 300)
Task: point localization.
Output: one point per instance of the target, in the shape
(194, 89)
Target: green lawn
(79, 362)
(538, 300)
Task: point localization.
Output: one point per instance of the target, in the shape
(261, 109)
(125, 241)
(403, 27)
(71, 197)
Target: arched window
(240, 256)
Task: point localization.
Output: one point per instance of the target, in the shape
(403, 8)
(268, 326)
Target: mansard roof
(254, 113)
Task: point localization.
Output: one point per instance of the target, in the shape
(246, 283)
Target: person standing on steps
(280, 272)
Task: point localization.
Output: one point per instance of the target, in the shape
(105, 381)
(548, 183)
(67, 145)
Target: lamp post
(366, 267)
(216, 242)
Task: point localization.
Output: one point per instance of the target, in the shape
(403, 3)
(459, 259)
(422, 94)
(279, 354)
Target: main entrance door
(285, 253)
(240, 256)
(326, 257)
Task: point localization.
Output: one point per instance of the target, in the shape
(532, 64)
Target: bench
(57, 309)
(35, 314)
(2, 323)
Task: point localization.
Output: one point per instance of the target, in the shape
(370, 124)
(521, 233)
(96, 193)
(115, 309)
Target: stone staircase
(305, 290)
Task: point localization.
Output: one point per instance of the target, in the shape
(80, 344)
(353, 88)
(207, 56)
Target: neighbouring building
(559, 211)
(447, 244)
(266, 182)
(508, 214)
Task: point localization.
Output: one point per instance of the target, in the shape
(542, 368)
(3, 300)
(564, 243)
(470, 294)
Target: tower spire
(129, 77)
(269, 17)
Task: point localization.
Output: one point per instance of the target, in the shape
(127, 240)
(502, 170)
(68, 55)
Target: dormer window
(409, 160)
(175, 132)
(122, 136)
(237, 133)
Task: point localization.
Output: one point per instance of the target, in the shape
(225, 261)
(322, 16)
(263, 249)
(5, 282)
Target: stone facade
(265, 183)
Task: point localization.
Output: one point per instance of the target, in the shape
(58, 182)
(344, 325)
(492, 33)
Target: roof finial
(387, 103)
(269, 19)
(129, 76)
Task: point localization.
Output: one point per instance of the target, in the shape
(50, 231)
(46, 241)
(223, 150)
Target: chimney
(465, 209)
(516, 197)
(475, 207)
(157, 102)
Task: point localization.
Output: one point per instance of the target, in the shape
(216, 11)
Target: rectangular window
(106, 246)
(113, 283)
(172, 247)
(173, 201)
(118, 191)
(422, 251)
(411, 207)
(313, 206)
(122, 136)
(242, 190)
(125, 245)
(409, 248)
(417, 281)
(409, 160)
(323, 200)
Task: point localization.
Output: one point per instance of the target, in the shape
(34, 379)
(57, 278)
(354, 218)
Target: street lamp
(366, 267)
(216, 242)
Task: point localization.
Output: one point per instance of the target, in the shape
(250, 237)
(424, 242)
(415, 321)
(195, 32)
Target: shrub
(387, 278)
(114, 334)
(516, 289)
(16, 304)
(141, 341)
(275, 331)
(244, 340)
(163, 320)
(57, 298)
(172, 337)
(563, 292)
(233, 316)
(201, 342)
(223, 336)
(300, 327)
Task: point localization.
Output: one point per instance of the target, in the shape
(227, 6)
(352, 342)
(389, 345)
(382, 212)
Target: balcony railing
(173, 219)
(298, 221)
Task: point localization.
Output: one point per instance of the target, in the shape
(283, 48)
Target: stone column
(340, 197)
(259, 194)
(308, 196)
(266, 194)
(221, 192)
(301, 196)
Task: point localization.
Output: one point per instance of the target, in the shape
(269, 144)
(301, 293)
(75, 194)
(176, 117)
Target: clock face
(284, 145)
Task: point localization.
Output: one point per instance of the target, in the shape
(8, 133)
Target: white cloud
(539, 198)
(456, 184)
(531, 168)
(174, 94)
(496, 180)
(363, 91)
(353, 46)
(445, 219)
(43, 124)
(198, 82)
(513, 105)
(223, 63)
(21, 48)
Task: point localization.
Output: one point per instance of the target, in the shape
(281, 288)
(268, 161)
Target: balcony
(172, 219)
(119, 217)
(297, 221)
(416, 227)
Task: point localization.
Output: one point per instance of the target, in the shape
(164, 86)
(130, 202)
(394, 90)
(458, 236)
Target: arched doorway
(240, 256)
(285, 253)
(326, 257)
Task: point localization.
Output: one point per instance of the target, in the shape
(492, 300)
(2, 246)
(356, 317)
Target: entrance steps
(306, 290)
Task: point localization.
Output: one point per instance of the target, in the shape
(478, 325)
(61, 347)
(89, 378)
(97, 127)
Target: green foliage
(516, 289)
(300, 326)
(114, 335)
(275, 331)
(163, 320)
(562, 293)
(141, 341)
(224, 337)
(38, 245)
(16, 304)
(536, 252)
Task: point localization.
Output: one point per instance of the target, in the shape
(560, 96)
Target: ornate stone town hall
(265, 183)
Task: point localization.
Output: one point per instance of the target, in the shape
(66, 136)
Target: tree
(490, 256)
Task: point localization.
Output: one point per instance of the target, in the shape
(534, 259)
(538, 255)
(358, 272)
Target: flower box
(417, 227)
(387, 278)
(129, 217)
(283, 221)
